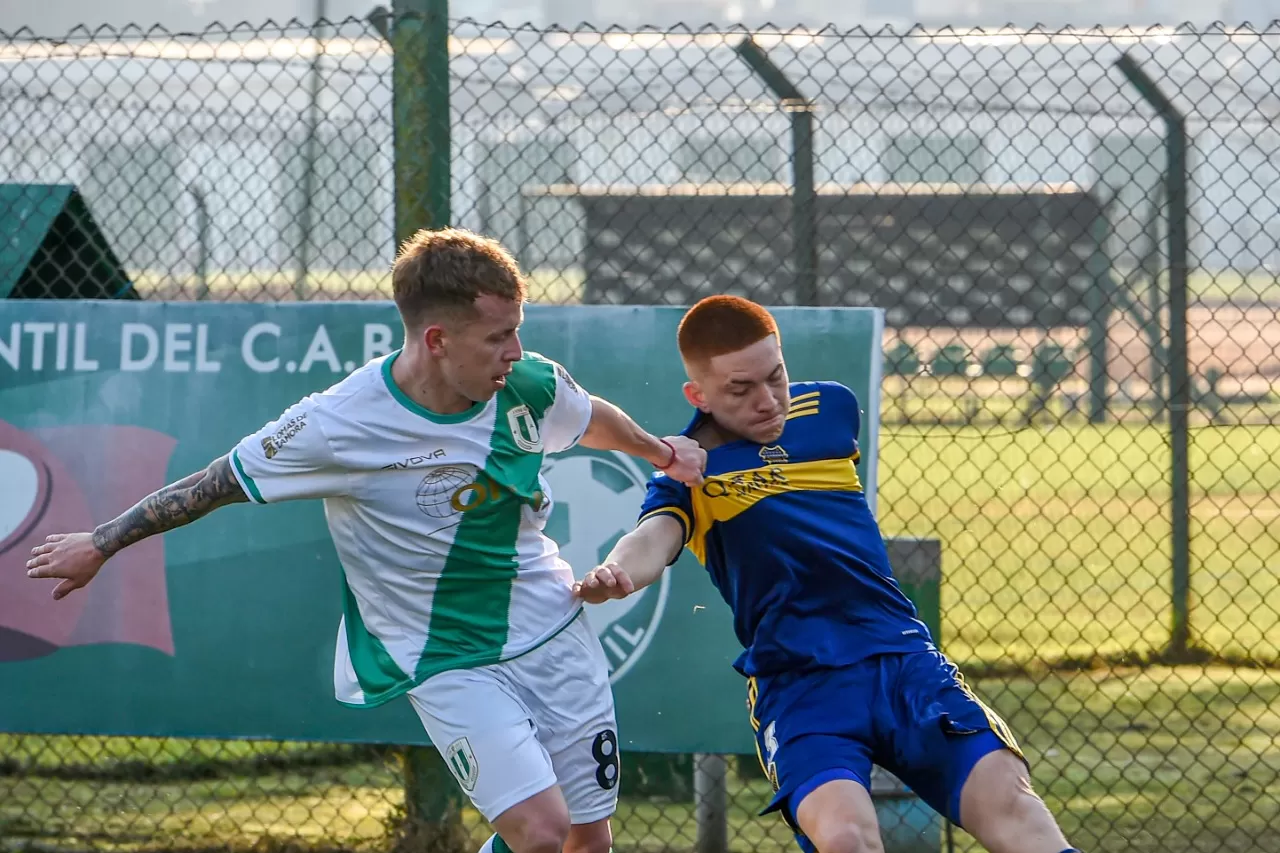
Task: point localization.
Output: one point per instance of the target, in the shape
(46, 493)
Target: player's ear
(694, 395)
(433, 336)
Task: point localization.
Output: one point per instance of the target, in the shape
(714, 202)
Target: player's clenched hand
(70, 556)
(603, 583)
(689, 461)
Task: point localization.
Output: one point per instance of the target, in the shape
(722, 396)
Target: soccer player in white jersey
(428, 462)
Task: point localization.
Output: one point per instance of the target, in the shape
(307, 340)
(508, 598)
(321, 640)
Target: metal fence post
(420, 107)
(803, 195)
(202, 239)
(1100, 298)
(1179, 381)
(305, 217)
(710, 796)
(419, 34)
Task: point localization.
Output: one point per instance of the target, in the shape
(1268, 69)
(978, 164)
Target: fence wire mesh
(1003, 196)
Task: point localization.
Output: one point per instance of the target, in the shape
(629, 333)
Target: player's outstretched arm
(613, 429)
(637, 560)
(77, 557)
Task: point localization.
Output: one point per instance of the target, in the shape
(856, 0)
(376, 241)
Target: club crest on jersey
(773, 455)
(524, 429)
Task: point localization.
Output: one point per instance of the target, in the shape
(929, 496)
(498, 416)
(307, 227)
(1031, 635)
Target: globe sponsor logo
(451, 490)
(440, 494)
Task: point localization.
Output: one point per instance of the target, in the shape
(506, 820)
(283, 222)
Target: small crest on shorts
(462, 761)
(771, 753)
(770, 743)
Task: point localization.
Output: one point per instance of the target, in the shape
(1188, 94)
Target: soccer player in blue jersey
(840, 671)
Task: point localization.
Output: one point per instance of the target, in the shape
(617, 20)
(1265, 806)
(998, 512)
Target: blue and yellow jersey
(788, 538)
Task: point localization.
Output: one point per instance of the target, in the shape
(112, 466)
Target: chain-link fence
(1007, 198)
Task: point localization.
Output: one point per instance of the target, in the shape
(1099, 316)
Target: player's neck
(711, 435)
(421, 381)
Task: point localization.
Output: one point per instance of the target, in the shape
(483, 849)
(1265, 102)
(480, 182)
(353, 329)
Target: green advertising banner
(226, 628)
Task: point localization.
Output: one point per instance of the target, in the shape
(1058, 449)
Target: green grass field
(1163, 759)
(1056, 540)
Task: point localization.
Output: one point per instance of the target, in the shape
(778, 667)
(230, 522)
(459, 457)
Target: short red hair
(718, 325)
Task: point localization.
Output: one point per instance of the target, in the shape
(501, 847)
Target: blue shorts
(910, 713)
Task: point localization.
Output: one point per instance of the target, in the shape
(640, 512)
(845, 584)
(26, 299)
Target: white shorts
(514, 729)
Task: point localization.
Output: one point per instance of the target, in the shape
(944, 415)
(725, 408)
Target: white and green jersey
(437, 519)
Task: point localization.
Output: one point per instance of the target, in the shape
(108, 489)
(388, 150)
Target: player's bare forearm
(645, 552)
(680, 457)
(613, 429)
(173, 506)
(636, 561)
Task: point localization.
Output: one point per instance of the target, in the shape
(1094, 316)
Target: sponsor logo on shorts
(770, 738)
(462, 761)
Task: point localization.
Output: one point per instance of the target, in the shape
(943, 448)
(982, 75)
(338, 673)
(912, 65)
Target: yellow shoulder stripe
(804, 398)
(804, 404)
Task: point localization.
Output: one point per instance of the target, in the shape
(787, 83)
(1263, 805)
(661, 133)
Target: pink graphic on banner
(68, 479)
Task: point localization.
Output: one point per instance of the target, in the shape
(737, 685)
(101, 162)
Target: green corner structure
(907, 824)
(51, 247)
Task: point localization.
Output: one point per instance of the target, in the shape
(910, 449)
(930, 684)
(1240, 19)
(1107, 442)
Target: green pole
(805, 215)
(420, 109)
(433, 805)
(1150, 264)
(202, 239)
(1099, 300)
(419, 34)
(803, 195)
(1179, 381)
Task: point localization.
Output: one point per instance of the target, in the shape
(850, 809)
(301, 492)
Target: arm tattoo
(176, 504)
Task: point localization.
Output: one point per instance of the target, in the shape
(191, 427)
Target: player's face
(746, 391)
(478, 354)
